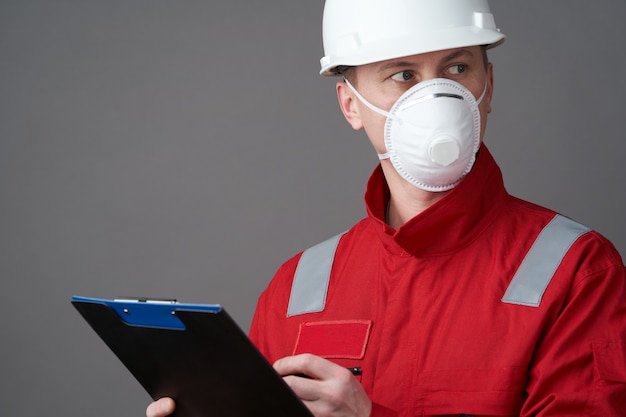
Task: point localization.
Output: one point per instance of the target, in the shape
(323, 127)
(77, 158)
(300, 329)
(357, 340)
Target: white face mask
(432, 133)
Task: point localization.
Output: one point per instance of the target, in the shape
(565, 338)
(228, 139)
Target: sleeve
(579, 367)
(268, 328)
(258, 319)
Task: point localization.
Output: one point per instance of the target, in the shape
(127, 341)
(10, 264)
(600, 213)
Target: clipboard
(194, 353)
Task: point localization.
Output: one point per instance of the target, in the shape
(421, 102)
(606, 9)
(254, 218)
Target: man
(451, 297)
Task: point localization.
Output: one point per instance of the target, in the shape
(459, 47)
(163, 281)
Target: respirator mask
(432, 133)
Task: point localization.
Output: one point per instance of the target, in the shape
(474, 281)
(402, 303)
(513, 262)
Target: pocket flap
(610, 360)
(334, 339)
(495, 391)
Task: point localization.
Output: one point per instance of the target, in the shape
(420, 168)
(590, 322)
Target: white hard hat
(357, 32)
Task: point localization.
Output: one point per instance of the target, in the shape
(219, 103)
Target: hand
(332, 389)
(161, 408)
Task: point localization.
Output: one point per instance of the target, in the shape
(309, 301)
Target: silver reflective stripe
(310, 282)
(542, 260)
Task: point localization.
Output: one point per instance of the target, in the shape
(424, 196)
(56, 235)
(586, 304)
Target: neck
(407, 201)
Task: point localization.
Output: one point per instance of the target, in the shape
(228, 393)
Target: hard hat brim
(371, 52)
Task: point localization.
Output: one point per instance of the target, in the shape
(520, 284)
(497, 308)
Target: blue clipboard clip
(156, 313)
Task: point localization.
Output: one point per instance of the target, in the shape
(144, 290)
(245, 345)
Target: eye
(402, 76)
(457, 69)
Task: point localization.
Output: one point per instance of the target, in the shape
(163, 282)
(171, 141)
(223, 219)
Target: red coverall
(420, 309)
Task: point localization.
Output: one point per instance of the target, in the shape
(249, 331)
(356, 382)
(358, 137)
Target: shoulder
(594, 255)
(283, 278)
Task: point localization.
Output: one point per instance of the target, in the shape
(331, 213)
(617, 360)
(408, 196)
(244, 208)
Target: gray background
(188, 148)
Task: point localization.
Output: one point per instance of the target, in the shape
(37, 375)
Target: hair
(348, 71)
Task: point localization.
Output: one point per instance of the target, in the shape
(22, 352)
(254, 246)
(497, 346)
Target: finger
(304, 388)
(161, 408)
(310, 365)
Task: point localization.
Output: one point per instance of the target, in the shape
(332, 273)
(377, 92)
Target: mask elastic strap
(381, 156)
(479, 99)
(364, 101)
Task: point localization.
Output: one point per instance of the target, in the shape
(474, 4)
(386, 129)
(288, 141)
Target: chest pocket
(477, 392)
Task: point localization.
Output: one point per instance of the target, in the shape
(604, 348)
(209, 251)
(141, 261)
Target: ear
(349, 105)
(489, 91)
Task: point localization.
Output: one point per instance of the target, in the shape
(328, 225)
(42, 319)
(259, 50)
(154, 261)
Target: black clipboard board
(193, 353)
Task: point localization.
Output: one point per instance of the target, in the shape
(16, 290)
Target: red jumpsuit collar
(449, 224)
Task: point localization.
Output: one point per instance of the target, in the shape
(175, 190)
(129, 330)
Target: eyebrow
(404, 64)
(396, 64)
(458, 53)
